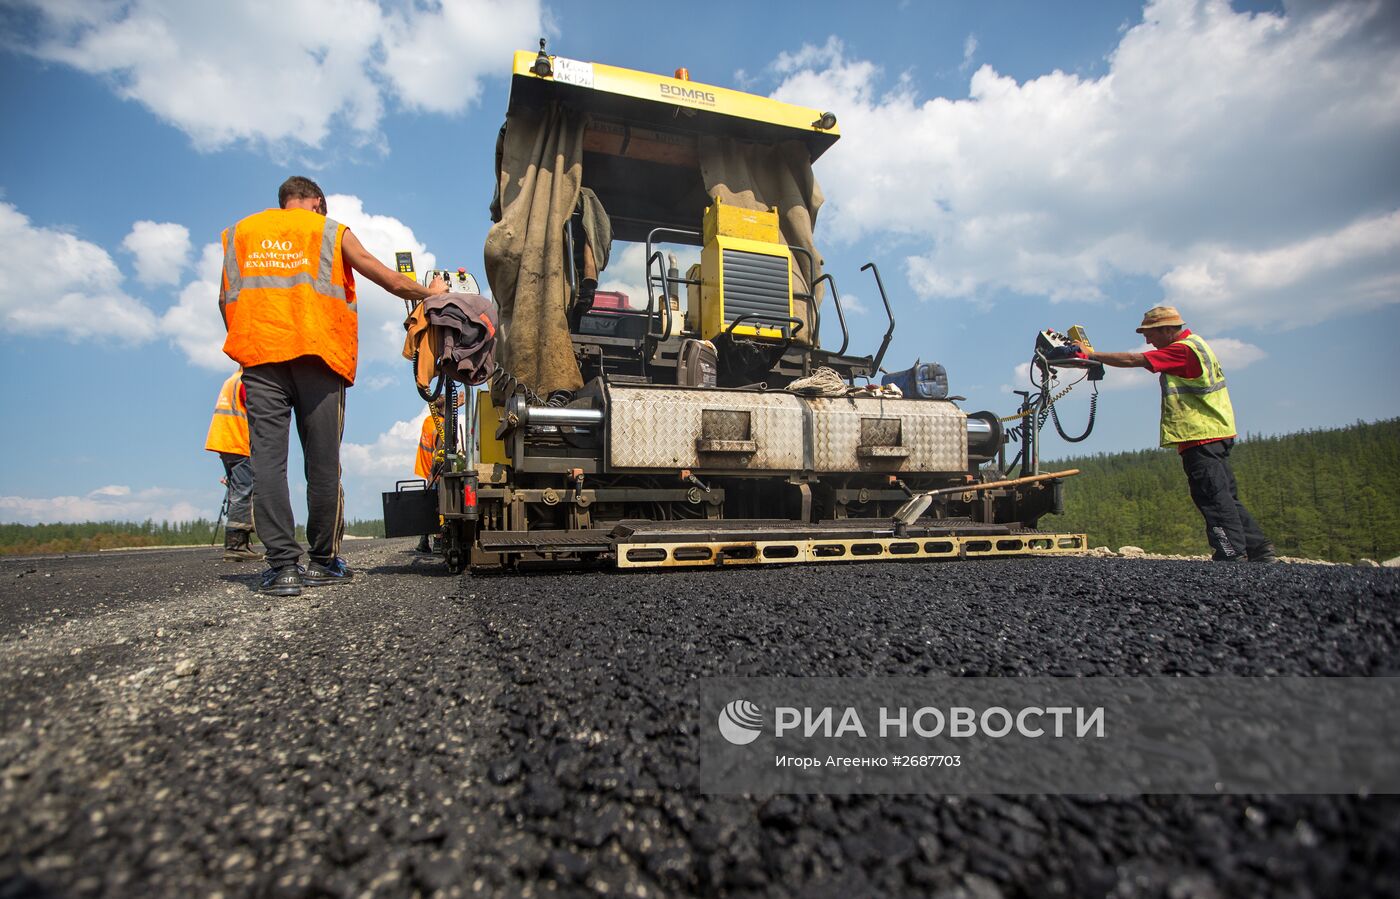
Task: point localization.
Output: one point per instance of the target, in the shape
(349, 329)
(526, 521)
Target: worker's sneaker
(284, 581)
(333, 572)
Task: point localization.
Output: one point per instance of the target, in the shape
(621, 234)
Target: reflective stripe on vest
(321, 283)
(1210, 372)
(228, 428)
(1196, 408)
(288, 292)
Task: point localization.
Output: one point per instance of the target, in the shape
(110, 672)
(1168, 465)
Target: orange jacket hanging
(287, 291)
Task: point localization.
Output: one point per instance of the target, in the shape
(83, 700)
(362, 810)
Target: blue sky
(1010, 166)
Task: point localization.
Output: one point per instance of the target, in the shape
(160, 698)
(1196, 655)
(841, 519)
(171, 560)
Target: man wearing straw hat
(1198, 420)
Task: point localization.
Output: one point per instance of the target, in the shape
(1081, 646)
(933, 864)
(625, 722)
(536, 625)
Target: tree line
(1321, 494)
(92, 536)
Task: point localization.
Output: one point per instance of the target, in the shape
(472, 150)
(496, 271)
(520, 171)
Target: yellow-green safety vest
(1197, 408)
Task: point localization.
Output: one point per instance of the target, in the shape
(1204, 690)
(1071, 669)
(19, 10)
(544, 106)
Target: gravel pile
(166, 731)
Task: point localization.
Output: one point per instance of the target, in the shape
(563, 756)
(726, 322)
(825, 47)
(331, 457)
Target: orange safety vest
(228, 429)
(427, 445)
(287, 291)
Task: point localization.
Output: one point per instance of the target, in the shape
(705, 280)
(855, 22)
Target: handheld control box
(460, 281)
(1059, 351)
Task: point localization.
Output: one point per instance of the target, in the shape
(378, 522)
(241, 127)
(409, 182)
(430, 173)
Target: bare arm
(399, 285)
(1116, 360)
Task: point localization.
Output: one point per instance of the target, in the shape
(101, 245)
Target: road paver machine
(716, 415)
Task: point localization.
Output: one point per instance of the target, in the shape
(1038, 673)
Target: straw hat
(1160, 317)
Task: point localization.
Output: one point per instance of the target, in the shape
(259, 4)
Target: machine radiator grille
(755, 284)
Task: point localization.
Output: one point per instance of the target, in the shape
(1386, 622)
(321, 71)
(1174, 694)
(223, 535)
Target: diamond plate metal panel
(656, 427)
(935, 433)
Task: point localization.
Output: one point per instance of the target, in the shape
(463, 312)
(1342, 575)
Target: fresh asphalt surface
(166, 731)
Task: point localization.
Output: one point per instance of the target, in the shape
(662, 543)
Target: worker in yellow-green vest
(1198, 420)
(228, 436)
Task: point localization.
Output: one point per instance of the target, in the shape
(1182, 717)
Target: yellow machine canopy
(641, 152)
(652, 142)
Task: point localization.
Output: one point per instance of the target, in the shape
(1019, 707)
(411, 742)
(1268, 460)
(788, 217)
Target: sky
(1010, 166)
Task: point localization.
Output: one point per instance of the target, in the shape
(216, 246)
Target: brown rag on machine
(538, 178)
(759, 176)
(597, 234)
(456, 330)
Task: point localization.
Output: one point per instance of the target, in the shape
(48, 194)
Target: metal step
(591, 540)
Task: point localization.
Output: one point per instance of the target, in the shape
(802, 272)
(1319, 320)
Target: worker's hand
(437, 285)
(1083, 347)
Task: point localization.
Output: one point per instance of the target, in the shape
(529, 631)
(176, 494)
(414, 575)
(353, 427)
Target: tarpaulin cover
(540, 170)
(539, 176)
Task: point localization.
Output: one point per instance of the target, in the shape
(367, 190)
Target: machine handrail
(889, 334)
(840, 316)
(651, 295)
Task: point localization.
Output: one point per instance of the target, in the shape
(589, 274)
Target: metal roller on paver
(723, 418)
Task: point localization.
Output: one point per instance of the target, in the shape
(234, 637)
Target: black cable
(506, 383)
(1088, 429)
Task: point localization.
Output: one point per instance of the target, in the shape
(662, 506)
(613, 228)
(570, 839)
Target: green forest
(91, 536)
(1332, 495)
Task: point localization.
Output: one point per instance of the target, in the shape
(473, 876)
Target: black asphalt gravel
(165, 731)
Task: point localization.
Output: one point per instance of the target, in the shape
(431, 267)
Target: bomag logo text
(694, 95)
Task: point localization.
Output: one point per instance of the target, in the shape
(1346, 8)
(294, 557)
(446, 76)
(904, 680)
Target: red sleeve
(1177, 359)
(242, 394)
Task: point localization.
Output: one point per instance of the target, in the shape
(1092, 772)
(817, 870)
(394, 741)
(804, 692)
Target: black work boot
(423, 546)
(1264, 554)
(284, 581)
(238, 547)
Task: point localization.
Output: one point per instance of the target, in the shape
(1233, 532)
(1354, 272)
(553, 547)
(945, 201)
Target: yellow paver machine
(715, 413)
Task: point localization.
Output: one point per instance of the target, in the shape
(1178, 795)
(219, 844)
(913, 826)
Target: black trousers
(316, 394)
(1232, 531)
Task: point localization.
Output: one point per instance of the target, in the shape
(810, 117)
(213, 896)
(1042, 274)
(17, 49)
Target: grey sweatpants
(316, 394)
(238, 474)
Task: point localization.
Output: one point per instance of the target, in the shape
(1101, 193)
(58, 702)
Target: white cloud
(436, 58)
(338, 64)
(115, 502)
(1236, 354)
(54, 283)
(1217, 144)
(378, 382)
(381, 313)
(969, 52)
(391, 455)
(1295, 284)
(852, 304)
(162, 251)
(193, 324)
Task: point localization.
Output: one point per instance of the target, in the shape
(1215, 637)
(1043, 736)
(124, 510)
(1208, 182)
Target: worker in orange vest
(428, 442)
(287, 296)
(425, 465)
(228, 436)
